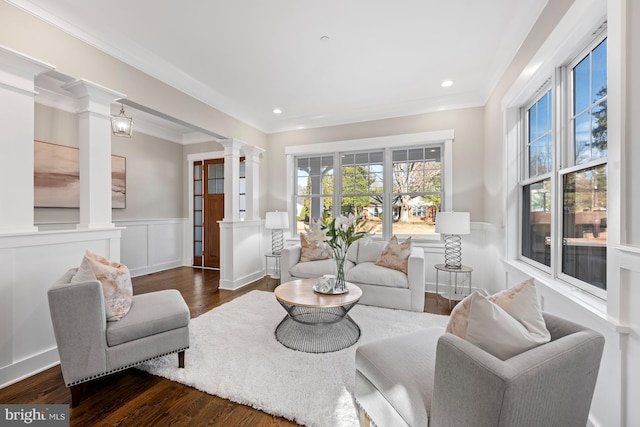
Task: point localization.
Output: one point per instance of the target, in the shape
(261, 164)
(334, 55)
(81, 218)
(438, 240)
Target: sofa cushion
(372, 274)
(395, 255)
(311, 250)
(150, 314)
(408, 360)
(115, 280)
(315, 269)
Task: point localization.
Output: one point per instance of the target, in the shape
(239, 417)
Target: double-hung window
(563, 184)
(396, 188)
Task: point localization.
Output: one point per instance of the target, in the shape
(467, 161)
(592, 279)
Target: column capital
(18, 71)
(232, 145)
(92, 96)
(252, 152)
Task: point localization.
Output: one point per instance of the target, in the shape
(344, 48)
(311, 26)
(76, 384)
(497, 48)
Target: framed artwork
(57, 177)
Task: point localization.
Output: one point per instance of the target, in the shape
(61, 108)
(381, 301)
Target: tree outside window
(417, 188)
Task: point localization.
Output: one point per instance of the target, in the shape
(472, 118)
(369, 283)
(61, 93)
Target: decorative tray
(330, 291)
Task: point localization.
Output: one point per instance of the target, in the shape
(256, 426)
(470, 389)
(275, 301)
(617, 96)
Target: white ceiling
(246, 57)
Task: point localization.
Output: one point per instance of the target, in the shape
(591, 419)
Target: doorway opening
(208, 209)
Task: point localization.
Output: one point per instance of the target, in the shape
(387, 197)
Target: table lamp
(276, 222)
(452, 225)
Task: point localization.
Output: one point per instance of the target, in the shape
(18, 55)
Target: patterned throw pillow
(504, 324)
(116, 283)
(395, 255)
(312, 250)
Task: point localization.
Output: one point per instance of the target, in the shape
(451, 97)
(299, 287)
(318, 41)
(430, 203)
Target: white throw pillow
(370, 252)
(497, 332)
(504, 324)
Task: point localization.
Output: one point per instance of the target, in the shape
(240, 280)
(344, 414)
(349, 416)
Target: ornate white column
(94, 137)
(17, 92)
(252, 156)
(240, 241)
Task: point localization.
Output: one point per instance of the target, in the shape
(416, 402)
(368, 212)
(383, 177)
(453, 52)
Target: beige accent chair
(90, 347)
(432, 378)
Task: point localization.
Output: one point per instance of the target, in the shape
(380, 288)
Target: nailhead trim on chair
(360, 408)
(131, 365)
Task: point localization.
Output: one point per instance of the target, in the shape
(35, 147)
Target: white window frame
(387, 143)
(557, 64)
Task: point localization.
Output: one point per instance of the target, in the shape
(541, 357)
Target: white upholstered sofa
(381, 286)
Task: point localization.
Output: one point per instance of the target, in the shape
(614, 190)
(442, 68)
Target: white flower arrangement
(339, 233)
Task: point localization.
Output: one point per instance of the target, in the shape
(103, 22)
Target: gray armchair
(429, 378)
(90, 347)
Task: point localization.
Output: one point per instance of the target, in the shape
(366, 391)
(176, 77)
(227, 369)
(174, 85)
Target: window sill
(587, 302)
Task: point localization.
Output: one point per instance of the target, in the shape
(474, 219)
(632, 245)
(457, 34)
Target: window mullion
(337, 184)
(387, 190)
(562, 124)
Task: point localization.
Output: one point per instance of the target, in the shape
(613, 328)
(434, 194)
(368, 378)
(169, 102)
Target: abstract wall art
(57, 177)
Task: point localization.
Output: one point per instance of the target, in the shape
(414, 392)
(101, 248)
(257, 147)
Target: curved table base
(317, 329)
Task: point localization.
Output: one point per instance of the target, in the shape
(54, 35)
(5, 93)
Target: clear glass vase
(339, 255)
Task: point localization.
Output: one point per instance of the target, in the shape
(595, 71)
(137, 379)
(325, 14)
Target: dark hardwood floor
(135, 398)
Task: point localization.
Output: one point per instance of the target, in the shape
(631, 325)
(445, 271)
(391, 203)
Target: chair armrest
(415, 276)
(79, 325)
(552, 383)
(466, 373)
(289, 257)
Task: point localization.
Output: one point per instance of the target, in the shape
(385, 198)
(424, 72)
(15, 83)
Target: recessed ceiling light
(324, 39)
(447, 83)
(277, 111)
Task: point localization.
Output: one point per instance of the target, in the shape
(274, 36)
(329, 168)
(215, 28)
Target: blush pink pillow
(115, 280)
(310, 250)
(395, 255)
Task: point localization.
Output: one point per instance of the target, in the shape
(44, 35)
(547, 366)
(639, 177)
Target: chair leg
(76, 394)
(181, 359)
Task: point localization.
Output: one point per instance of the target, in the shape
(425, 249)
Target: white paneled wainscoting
(29, 264)
(154, 245)
(148, 245)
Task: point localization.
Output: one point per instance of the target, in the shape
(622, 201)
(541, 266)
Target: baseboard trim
(234, 285)
(155, 268)
(28, 367)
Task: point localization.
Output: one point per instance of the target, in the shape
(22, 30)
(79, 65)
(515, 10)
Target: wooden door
(213, 211)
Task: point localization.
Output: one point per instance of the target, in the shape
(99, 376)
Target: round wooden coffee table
(316, 323)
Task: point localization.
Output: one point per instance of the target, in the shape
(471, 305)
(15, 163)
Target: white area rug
(234, 355)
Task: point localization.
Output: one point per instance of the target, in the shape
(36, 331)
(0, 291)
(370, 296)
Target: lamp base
(452, 251)
(277, 242)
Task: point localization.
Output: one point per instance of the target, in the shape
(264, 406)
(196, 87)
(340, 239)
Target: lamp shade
(453, 223)
(276, 220)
